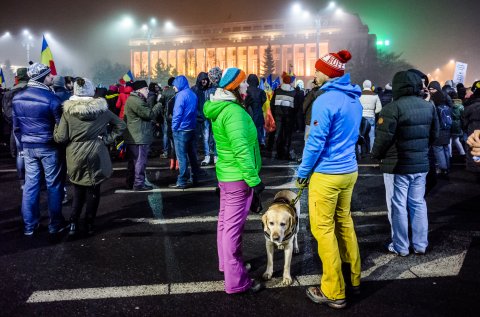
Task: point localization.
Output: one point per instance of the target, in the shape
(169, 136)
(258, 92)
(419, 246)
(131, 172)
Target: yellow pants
(332, 226)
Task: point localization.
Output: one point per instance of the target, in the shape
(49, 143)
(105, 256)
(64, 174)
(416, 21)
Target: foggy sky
(429, 33)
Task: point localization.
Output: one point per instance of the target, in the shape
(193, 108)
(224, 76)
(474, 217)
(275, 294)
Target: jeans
(405, 199)
(208, 140)
(261, 135)
(20, 162)
(235, 201)
(137, 163)
(40, 161)
(371, 134)
(442, 157)
(186, 150)
(329, 199)
(85, 194)
(458, 144)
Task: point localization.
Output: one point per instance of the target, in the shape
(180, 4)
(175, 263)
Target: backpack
(444, 117)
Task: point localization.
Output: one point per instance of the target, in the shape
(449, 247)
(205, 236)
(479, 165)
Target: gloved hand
(301, 183)
(259, 188)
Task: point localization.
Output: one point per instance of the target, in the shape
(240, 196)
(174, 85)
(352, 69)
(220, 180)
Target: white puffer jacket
(371, 104)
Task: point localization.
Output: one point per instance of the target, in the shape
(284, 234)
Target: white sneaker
(206, 160)
(215, 159)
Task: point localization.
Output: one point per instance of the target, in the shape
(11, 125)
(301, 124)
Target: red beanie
(333, 64)
(286, 78)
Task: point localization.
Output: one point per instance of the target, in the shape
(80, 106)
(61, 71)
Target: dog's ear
(291, 221)
(265, 220)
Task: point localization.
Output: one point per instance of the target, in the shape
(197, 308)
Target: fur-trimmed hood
(85, 108)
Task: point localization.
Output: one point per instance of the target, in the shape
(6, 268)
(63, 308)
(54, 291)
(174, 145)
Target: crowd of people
(63, 127)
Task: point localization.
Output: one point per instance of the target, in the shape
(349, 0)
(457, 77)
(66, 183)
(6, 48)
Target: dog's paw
(281, 247)
(296, 250)
(287, 281)
(267, 276)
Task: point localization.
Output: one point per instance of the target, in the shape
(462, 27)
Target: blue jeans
(405, 199)
(208, 141)
(186, 150)
(37, 162)
(442, 156)
(371, 134)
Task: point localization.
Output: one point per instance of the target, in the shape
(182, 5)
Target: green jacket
(83, 127)
(138, 117)
(236, 140)
(405, 129)
(457, 113)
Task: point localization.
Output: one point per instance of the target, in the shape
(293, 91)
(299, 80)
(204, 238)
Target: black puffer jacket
(405, 129)
(471, 122)
(255, 100)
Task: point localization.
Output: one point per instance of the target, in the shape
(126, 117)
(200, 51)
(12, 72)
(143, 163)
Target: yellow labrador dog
(280, 225)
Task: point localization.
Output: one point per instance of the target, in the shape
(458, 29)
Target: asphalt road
(154, 254)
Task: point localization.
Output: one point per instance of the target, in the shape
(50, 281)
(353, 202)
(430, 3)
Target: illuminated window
(211, 58)
(242, 58)
(221, 59)
(172, 58)
(231, 56)
(191, 62)
(181, 61)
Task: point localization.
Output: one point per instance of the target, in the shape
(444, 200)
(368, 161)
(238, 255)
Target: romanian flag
(47, 57)
(2, 78)
(128, 76)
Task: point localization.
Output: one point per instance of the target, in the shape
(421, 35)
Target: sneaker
(73, 229)
(316, 295)
(175, 186)
(391, 249)
(32, 231)
(419, 252)
(164, 155)
(256, 287)
(206, 160)
(215, 159)
(64, 225)
(142, 188)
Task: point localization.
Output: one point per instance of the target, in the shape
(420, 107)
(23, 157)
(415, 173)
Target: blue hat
(232, 78)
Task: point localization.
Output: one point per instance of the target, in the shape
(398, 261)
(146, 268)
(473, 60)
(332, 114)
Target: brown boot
(172, 164)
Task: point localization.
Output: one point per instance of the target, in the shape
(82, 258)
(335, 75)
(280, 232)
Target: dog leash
(294, 201)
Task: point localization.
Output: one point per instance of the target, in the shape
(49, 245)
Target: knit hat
(435, 85)
(113, 88)
(367, 84)
(231, 78)
(286, 78)
(83, 87)
(475, 86)
(58, 81)
(215, 74)
(22, 74)
(139, 84)
(388, 86)
(38, 72)
(333, 64)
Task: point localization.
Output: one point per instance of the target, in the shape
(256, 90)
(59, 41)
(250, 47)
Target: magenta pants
(235, 201)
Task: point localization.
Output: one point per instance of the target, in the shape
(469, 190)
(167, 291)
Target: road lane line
(203, 219)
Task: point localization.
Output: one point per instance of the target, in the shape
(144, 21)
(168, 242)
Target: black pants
(283, 135)
(85, 194)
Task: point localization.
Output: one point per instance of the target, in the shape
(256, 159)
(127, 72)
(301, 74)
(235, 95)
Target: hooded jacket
(83, 128)
(185, 108)
(8, 98)
(202, 94)
(139, 116)
(471, 122)
(236, 139)
(334, 129)
(35, 113)
(406, 128)
(122, 99)
(371, 104)
(283, 101)
(255, 99)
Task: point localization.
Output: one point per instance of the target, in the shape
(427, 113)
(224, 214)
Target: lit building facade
(194, 49)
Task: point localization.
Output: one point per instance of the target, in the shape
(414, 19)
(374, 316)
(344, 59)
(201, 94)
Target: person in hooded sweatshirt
(124, 93)
(407, 127)
(329, 162)
(237, 170)
(202, 128)
(83, 128)
(255, 99)
(184, 121)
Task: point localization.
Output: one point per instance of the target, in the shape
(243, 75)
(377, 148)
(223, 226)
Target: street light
(27, 43)
(296, 8)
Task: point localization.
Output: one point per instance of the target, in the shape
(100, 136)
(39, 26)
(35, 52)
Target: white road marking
(438, 264)
(186, 220)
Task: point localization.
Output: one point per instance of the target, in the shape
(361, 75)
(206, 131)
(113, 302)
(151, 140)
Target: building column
(305, 58)
(281, 61)
(258, 60)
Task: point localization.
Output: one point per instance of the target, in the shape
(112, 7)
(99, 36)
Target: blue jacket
(185, 109)
(35, 113)
(334, 129)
